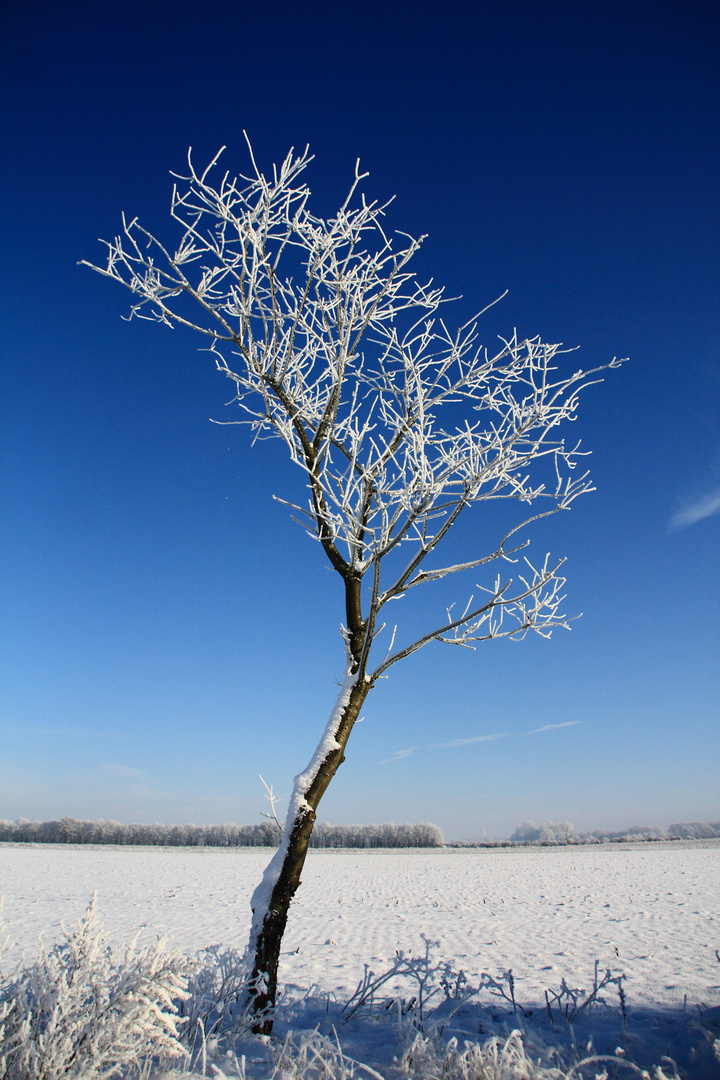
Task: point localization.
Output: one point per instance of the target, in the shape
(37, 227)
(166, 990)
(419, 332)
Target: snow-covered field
(648, 911)
(651, 911)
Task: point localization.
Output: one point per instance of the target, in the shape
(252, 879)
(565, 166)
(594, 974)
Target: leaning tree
(398, 425)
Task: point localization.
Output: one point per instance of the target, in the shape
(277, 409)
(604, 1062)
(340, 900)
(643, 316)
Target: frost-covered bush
(81, 1013)
(312, 1056)
(499, 1058)
(216, 1005)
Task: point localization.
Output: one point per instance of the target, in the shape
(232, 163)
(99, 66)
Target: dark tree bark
(269, 935)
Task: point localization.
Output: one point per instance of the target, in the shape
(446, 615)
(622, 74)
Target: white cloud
(553, 727)
(466, 742)
(703, 507)
(398, 755)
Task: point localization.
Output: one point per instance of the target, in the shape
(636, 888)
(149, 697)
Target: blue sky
(167, 632)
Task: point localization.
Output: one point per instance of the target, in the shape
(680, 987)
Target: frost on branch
(335, 347)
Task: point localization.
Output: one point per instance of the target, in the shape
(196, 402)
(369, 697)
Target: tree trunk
(271, 900)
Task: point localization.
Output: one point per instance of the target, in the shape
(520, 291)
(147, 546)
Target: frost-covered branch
(273, 799)
(535, 606)
(307, 317)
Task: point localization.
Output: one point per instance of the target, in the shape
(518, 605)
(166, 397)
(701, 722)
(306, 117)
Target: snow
(651, 911)
(648, 911)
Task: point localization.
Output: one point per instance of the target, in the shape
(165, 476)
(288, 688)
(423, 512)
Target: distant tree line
(377, 836)
(551, 832)
(69, 830)
(695, 830)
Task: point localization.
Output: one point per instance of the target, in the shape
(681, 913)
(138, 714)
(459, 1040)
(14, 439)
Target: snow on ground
(650, 911)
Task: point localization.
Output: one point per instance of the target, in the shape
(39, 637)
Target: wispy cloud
(467, 742)
(700, 508)
(553, 727)
(398, 755)
(455, 744)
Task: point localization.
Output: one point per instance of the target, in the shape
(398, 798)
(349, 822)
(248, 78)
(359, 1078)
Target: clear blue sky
(167, 632)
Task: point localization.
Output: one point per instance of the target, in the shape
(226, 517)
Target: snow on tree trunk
(271, 900)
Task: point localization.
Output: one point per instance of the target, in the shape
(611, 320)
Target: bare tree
(336, 348)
